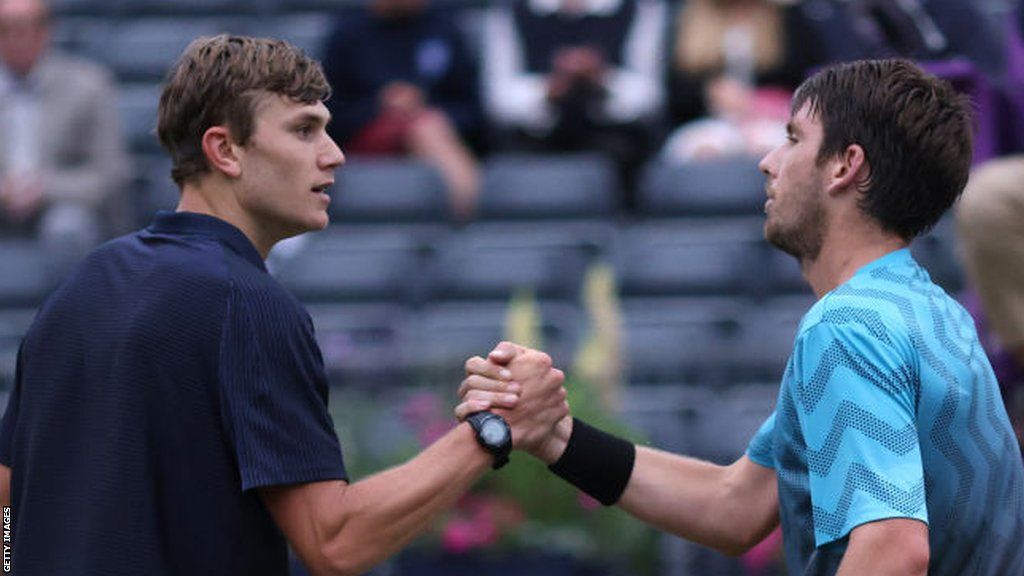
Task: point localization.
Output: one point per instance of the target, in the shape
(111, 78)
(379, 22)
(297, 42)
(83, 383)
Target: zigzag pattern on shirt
(869, 319)
(850, 416)
(940, 434)
(838, 354)
(860, 479)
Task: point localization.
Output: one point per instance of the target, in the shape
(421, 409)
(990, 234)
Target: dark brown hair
(219, 81)
(915, 129)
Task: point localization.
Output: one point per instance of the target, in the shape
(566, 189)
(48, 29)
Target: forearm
(716, 506)
(381, 514)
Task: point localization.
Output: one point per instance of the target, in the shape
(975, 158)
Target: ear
(849, 170)
(220, 151)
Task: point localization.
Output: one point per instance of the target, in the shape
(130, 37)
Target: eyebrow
(792, 129)
(312, 117)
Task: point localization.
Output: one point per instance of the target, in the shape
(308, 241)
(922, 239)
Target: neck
(845, 250)
(216, 199)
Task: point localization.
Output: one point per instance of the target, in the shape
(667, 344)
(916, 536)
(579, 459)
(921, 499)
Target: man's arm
(343, 529)
(898, 546)
(729, 508)
(340, 528)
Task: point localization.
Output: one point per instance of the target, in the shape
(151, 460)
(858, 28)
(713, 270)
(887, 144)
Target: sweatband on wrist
(596, 462)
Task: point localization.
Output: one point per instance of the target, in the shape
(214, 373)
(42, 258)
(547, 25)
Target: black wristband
(596, 462)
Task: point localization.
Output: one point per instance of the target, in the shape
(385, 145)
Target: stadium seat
(143, 49)
(14, 323)
(548, 187)
(445, 334)
(388, 190)
(362, 343)
(936, 251)
(689, 257)
(767, 332)
(356, 265)
(132, 8)
(306, 30)
(783, 274)
(137, 105)
(156, 189)
(686, 339)
(24, 277)
(493, 262)
(718, 187)
(63, 8)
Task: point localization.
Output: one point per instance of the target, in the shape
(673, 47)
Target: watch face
(493, 432)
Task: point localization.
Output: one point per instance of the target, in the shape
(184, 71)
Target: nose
(765, 164)
(332, 156)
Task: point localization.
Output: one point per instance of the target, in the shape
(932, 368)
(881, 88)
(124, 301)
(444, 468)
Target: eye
(304, 130)
(791, 139)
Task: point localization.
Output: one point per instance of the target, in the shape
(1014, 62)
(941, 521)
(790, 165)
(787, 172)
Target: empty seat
(306, 31)
(188, 7)
(64, 8)
(689, 257)
(445, 334)
(783, 274)
(14, 323)
(355, 265)
(143, 49)
(24, 276)
(156, 189)
(388, 190)
(544, 187)
(137, 106)
(680, 339)
(768, 331)
(362, 344)
(936, 251)
(495, 262)
(714, 187)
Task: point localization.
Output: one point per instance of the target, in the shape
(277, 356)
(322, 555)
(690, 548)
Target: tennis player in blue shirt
(889, 451)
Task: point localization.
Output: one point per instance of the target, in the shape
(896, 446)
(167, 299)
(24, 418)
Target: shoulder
(257, 296)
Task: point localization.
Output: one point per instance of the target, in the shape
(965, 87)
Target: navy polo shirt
(163, 381)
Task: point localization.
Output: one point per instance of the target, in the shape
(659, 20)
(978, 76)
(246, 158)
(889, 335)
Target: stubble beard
(804, 238)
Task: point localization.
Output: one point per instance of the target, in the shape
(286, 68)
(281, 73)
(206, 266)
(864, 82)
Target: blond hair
(701, 26)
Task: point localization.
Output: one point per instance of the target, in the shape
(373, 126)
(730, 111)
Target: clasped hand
(521, 385)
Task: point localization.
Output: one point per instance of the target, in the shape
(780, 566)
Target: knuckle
(471, 363)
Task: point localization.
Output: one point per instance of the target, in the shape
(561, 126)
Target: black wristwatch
(493, 433)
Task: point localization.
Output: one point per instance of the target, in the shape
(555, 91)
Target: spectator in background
(404, 83)
(990, 224)
(63, 162)
(734, 65)
(575, 75)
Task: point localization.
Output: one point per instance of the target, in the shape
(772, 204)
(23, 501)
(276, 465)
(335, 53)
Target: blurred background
(579, 175)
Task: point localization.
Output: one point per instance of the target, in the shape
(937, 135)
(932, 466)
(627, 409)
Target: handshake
(521, 385)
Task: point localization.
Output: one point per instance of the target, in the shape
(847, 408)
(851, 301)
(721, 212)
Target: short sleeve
(760, 448)
(10, 418)
(274, 392)
(856, 399)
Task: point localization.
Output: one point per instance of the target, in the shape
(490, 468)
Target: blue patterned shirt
(889, 409)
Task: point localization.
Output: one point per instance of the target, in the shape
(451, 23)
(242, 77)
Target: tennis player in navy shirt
(169, 414)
